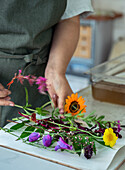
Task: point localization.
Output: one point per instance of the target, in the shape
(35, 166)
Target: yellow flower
(109, 137)
(74, 104)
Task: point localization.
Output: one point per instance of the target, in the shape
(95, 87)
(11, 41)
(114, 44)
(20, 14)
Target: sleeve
(76, 7)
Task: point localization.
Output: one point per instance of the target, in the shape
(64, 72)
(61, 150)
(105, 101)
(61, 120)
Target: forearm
(63, 45)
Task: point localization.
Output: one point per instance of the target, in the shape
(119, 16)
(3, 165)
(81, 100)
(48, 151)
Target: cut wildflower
(74, 104)
(88, 151)
(41, 82)
(119, 126)
(109, 137)
(61, 144)
(47, 140)
(34, 136)
(70, 134)
(33, 117)
(31, 79)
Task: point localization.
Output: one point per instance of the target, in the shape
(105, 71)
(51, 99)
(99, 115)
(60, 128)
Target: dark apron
(26, 29)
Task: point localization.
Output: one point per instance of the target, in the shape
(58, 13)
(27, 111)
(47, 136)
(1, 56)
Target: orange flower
(74, 104)
(12, 81)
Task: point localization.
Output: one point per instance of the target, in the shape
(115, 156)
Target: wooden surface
(118, 49)
(111, 111)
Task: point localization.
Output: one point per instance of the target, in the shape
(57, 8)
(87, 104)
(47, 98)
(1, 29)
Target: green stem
(46, 104)
(74, 128)
(7, 130)
(26, 108)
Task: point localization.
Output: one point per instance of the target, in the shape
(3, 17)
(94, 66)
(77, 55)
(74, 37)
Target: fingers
(1, 87)
(4, 102)
(54, 100)
(53, 95)
(61, 101)
(4, 98)
(4, 93)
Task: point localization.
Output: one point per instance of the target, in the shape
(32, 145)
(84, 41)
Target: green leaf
(94, 148)
(26, 121)
(78, 141)
(102, 143)
(91, 114)
(56, 110)
(17, 126)
(100, 118)
(27, 131)
(40, 131)
(45, 111)
(67, 115)
(42, 112)
(90, 125)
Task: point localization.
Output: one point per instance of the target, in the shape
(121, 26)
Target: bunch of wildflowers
(40, 81)
(74, 132)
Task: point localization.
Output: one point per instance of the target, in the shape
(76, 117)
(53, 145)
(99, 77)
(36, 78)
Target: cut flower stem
(74, 128)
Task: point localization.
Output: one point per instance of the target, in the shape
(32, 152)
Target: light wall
(117, 6)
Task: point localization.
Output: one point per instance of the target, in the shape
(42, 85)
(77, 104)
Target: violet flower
(88, 151)
(34, 136)
(47, 140)
(119, 127)
(41, 82)
(61, 144)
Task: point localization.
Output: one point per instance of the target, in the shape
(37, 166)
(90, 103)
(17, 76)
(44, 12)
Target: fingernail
(8, 98)
(11, 104)
(9, 92)
(54, 97)
(61, 111)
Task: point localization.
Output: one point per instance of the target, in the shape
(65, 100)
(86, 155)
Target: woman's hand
(4, 97)
(58, 88)
(64, 43)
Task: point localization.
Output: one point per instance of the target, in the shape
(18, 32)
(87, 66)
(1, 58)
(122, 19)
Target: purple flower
(61, 144)
(88, 151)
(119, 127)
(42, 87)
(47, 140)
(34, 136)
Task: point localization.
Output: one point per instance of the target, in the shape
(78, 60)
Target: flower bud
(47, 140)
(34, 136)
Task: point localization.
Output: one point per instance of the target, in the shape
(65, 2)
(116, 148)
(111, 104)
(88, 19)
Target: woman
(38, 37)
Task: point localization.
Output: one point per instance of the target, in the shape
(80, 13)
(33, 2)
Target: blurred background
(102, 37)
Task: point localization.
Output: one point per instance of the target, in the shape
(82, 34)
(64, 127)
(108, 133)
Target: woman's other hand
(4, 97)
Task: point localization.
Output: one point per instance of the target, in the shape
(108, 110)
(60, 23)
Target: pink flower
(31, 79)
(40, 80)
(20, 77)
(119, 127)
(42, 86)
